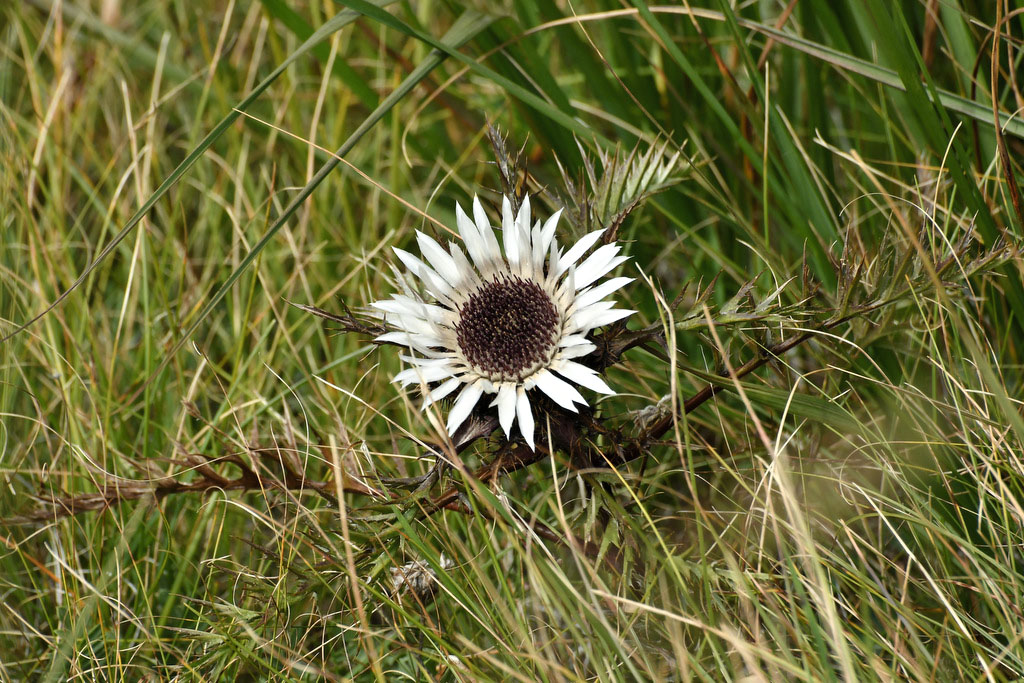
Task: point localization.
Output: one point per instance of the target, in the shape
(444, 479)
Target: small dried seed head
(508, 328)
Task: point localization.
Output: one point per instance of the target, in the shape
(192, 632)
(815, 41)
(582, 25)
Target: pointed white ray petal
(525, 416)
(508, 234)
(473, 239)
(595, 265)
(552, 275)
(600, 272)
(506, 406)
(560, 391)
(470, 279)
(593, 318)
(423, 375)
(582, 375)
(414, 325)
(434, 283)
(429, 362)
(403, 336)
(409, 261)
(603, 305)
(615, 263)
(572, 340)
(461, 221)
(574, 315)
(463, 406)
(547, 233)
(441, 391)
(523, 225)
(395, 305)
(401, 279)
(598, 292)
(577, 351)
(483, 224)
(577, 250)
(407, 306)
(439, 259)
(567, 290)
(526, 262)
(418, 342)
(539, 252)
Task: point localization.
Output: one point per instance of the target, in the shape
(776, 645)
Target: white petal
(596, 265)
(463, 406)
(413, 324)
(486, 231)
(401, 308)
(507, 406)
(434, 283)
(469, 277)
(552, 275)
(525, 416)
(605, 305)
(536, 253)
(577, 351)
(595, 294)
(577, 250)
(441, 391)
(474, 240)
(439, 259)
(591, 318)
(609, 267)
(508, 233)
(547, 233)
(567, 291)
(429, 362)
(583, 376)
(523, 224)
(419, 342)
(573, 340)
(424, 375)
(561, 392)
(526, 261)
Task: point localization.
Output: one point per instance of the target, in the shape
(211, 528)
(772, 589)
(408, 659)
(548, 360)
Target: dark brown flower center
(508, 328)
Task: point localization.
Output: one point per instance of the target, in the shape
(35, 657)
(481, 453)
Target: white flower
(503, 325)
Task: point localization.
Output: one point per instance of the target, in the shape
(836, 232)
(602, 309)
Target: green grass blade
(527, 97)
(467, 26)
(1012, 125)
(331, 26)
(297, 25)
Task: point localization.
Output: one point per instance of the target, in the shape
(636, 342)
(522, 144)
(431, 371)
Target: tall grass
(179, 174)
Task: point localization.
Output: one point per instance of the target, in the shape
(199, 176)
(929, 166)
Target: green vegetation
(174, 432)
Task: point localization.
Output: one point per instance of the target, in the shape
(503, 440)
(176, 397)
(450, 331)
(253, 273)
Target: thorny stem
(118, 491)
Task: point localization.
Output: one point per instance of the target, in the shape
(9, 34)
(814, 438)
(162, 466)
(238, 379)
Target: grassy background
(872, 531)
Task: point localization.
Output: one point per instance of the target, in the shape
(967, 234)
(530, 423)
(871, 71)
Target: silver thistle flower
(503, 325)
